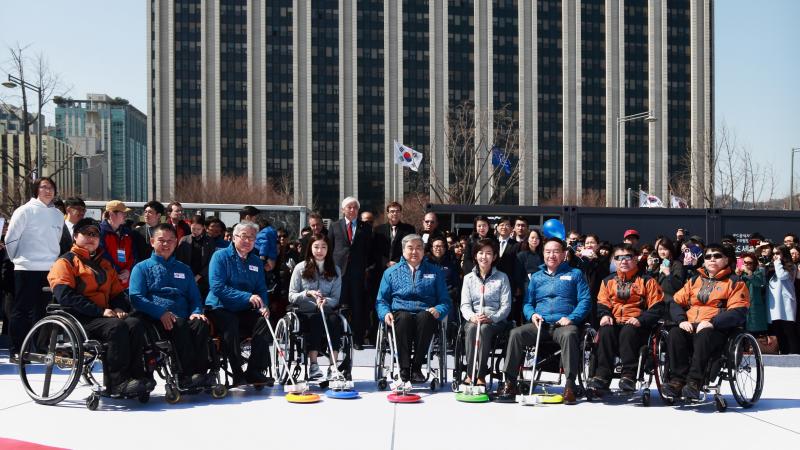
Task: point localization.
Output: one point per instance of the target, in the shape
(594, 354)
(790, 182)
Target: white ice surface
(249, 419)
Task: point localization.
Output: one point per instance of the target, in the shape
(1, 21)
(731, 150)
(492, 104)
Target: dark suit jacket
(351, 258)
(184, 253)
(507, 263)
(66, 240)
(304, 243)
(386, 248)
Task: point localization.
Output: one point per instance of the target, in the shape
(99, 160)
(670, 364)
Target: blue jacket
(398, 292)
(232, 281)
(267, 243)
(562, 294)
(158, 285)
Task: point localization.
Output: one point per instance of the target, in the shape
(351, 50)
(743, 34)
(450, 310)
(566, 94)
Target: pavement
(246, 417)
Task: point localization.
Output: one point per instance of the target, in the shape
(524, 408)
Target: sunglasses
(623, 257)
(91, 234)
(709, 256)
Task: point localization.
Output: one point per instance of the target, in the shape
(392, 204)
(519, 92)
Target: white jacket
(781, 299)
(33, 236)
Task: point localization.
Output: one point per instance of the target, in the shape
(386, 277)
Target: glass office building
(311, 95)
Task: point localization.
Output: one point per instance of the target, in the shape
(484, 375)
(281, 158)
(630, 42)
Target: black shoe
(418, 377)
(598, 383)
(199, 379)
(149, 383)
(255, 377)
(129, 387)
(405, 375)
(238, 380)
(186, 381)
(627, 384)
(210, 379)
(691, 391)
(507, 390)
(672, 389)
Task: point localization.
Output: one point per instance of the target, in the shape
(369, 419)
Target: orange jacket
(723, 300)
(88, 284)
(631, 295)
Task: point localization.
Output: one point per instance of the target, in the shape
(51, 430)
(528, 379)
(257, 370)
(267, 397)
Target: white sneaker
(314, 372)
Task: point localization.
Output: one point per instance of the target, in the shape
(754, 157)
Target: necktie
(394, 231)
(502, 247)
(349, 231)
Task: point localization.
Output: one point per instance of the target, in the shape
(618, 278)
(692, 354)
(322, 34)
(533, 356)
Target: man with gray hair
(413, 297)
(351, 240)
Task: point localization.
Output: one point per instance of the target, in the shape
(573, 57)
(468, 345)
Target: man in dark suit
(388, 250)
(507, 249)
(429, 230)
(317, 227)
(351, 240)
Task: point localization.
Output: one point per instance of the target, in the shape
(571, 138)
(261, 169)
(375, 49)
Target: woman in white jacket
(782, 301)
(316, 283)
(32, 241)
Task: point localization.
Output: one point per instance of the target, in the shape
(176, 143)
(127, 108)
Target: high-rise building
(312, 94)
(111, 137)
(58, 157)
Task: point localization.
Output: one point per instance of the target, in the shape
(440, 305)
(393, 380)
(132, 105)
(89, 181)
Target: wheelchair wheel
(282, 338)
(345, 356)
(51, 360)
(442, 353)
(587, 357)
(381, 349)
(661, 362)
(172, 395)
(745, 370)
(459, 359)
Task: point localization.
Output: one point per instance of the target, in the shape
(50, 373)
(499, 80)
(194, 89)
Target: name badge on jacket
(121, 255)
(253, 268)
(180, 276)
(565, 277)
(429, 275)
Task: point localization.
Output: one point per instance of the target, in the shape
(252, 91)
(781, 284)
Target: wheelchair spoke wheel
(661, 359)
(51, 360)
(381, 356)
(459, 359)
(282, 339)
(745, 370)
(587, 357)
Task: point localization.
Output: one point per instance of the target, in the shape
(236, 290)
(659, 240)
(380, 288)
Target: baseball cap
(116, 206)
(84, 225)
(629, 233)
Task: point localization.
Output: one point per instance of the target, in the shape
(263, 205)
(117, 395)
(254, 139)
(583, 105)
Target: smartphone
(665, 262)
(739, 263)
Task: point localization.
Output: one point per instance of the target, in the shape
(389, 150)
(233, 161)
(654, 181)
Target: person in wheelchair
(412, 298)
(316, 282)
(629, 304)
(238, 305)
(558, 296)
(706, 308)
(164, 293)
(485, 284)
(88, 286)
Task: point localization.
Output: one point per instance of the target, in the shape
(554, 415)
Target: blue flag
(499, 158)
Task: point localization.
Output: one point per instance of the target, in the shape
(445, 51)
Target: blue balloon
(553, 228)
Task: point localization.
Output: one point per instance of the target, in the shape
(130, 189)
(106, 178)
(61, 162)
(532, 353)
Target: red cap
(630, 232)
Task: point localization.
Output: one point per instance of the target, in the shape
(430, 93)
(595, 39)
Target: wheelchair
(56, 354)
(385, 363)
(739, 363)
(549, 360)
(495, 360)
(646, 369)
(160, 357)
(292, 341)
(222, 361)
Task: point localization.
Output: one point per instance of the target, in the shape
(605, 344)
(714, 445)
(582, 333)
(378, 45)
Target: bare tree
(231, 190)
(36, 71)
(474, 173)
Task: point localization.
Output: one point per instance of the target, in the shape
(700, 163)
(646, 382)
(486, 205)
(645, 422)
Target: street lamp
(14, 82)
(791, 181)
(648, 117)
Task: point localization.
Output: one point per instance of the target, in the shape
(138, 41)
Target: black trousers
(488, 332)
(702, 345)
(314, 328)
(353, 295)
(233, 326)
(190, 339)
(525, 336)
(29, 305)
(786, 332)
(125, 341)
(414, 333)
(624, 341)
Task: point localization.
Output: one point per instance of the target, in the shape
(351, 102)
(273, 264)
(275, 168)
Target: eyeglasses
(91, 234)
(166, 241)
(623, 257)
(437, 246)
(709, 256)
(245, 237)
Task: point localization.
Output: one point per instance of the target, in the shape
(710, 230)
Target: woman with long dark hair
(782, 302)
(316, 282)
(482, 230)
(667, 269)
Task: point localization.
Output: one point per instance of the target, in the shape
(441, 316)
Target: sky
(101, 47)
